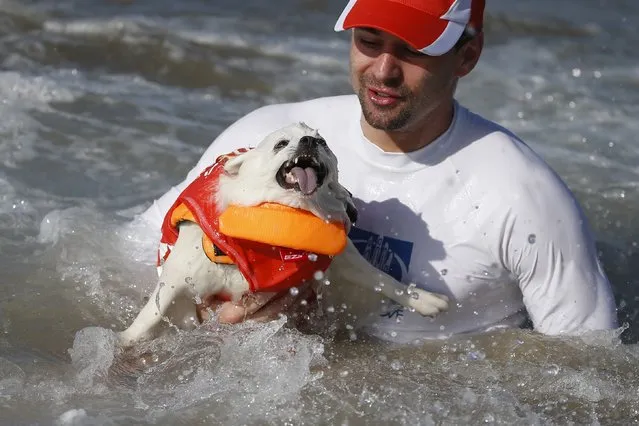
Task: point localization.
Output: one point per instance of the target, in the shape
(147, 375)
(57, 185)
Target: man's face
(399, 87)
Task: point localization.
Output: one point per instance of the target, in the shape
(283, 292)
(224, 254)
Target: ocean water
(105, 104)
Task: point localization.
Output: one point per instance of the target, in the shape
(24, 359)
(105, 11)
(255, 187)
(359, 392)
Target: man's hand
(258, 306)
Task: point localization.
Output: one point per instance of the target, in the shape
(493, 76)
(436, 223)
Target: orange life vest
(275, 247)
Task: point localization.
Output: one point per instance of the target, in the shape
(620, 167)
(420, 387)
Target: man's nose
(387, 67)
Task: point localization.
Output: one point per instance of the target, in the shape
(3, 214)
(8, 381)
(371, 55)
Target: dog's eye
(281, 144)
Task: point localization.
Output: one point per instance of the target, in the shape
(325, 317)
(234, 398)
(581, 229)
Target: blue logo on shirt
(390, 255)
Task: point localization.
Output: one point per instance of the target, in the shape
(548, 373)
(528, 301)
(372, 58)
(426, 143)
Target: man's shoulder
(502, 160)
(494, 147)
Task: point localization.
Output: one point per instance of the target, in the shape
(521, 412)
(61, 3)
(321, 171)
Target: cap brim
(424, 32)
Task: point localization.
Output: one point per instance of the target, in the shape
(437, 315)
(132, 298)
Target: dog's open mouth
(304, 174)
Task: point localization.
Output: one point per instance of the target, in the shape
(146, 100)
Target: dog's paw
(428, 303)
(127, 339)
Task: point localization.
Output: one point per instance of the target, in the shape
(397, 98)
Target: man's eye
(368, 43)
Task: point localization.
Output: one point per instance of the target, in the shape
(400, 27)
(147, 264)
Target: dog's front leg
(186, 273)
(352, 267)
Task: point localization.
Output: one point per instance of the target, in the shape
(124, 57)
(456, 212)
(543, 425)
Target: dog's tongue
(305, 178)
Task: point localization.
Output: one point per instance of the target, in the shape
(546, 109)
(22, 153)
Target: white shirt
(476, 215)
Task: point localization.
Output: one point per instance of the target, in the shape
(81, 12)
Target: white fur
(249, 180)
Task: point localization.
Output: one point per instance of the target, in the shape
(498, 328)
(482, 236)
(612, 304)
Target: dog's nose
(311, 141)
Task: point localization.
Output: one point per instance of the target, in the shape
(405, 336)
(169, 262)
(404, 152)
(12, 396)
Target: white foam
(110, 27)
(73, 417)
(99, 259)
(92, 354)
(20, 93)
(12, 379)
(261, 366)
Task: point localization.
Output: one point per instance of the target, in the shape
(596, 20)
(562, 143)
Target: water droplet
(294, 291)
(444, 271)
(476, 356)
(399, 292)
(343, 373)
(318, 275)
(532, 238)
(489, 418)
(552, 370)
(396, 365)
(330, 309)
(377, 289)
(414, 295)
(312, 257)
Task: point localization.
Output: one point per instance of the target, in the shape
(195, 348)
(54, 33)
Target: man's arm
(548, 246)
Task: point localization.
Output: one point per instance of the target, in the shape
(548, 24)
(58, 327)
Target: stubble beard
(385, 118)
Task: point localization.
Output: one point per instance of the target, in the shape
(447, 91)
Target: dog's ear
(346, 197)
(232, 165)
(351, 211)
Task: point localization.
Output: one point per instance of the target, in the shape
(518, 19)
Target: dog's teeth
(297, 159)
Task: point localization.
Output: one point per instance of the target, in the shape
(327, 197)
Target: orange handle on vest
(283, 226)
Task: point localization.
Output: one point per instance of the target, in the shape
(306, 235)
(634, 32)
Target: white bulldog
(293, 167)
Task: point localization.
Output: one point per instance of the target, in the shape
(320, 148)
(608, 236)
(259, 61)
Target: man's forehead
(379, 33)
(371, 31)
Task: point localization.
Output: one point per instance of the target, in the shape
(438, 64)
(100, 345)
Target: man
(446, 199)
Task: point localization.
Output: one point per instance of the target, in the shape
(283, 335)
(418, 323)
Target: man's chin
(383, 118)
(385, 122)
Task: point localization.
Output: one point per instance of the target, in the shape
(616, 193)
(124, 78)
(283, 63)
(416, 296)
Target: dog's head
(292, 166)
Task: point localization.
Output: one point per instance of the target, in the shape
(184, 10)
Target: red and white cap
(430, 26)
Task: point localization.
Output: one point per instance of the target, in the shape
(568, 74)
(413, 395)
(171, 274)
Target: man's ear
(470, 53)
